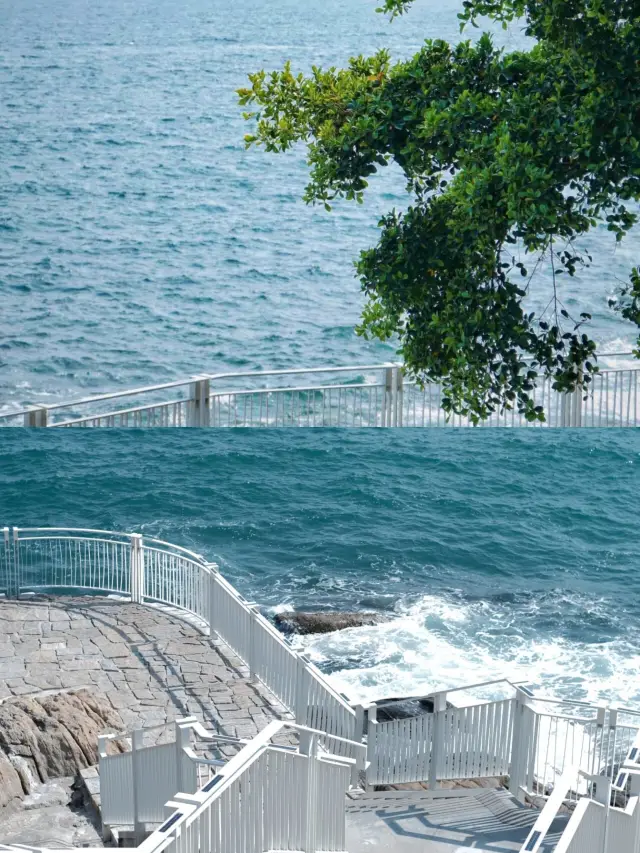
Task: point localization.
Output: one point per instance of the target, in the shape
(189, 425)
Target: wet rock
(301, 622)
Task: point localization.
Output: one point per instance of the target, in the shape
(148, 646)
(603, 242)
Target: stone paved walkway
(152, 666)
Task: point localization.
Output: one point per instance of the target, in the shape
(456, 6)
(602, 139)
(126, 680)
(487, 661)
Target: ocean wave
(437, 643)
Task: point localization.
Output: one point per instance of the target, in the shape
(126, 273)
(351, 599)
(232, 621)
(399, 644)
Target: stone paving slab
(152, 666)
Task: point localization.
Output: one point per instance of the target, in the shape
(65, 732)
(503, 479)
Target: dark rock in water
(293, 622)
(398, 708)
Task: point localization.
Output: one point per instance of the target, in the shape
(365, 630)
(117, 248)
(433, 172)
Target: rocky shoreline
(46, 740)
(49, 737)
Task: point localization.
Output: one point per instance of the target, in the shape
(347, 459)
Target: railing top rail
(448, 690)
(112, 395)
(579, 721)
(198, 557)
(71, 530)
(149, 407)
(126, 538)
(631, 711)
(121, 543)
(546, 817)
(118, 412)
(362, 747)
(554, 701)
(349, 386)
(109, 395)
(329, 687)
(178, 383)
(232, 771)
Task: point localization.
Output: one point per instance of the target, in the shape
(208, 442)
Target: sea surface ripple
(497, 553)
(140, 242)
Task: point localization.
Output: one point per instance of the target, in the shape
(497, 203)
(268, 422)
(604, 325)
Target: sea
(495, 554)
(141, 243)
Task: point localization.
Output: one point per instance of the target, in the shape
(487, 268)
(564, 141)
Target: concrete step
(439, 798)
(441, 821)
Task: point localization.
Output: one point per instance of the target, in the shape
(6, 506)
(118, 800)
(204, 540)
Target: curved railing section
(370, 395)
(151, 571)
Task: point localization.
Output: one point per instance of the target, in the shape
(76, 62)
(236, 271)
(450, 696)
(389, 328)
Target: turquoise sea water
(497, 553)
(140, 243)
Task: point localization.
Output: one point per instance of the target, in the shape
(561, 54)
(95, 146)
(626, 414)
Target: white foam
(439, 644)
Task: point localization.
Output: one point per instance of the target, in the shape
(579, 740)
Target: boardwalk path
(152, 666)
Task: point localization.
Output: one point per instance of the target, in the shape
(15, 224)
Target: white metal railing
(136, 783)
(533, 741)
(607, 823)
(347, 396)
(265, 798)
(541, 827)
(150, 571)
(594, 741)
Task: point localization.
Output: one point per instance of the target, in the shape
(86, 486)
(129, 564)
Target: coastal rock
(49, 737)
(53, 816)
(11, 791)
(300, 622)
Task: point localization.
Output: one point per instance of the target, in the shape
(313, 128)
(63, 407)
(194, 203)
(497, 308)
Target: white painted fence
(150, 571)
(541, 827)
(135, 784)
(266, 798)
(532, 740)
(373, 395)
(603, 824)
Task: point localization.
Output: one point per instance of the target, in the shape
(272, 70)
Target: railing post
(14, 565)
(437, 737)
(598, 741)
(309, 747)
(571, 406)
(358, 731)
(8, 564)
(393, 397)
(103, 741)
(212, 600)
(372, 732)
(302, 691)
(577, 407)
(359, 769)
(137, 569)
(183, 742)
(387, 396)
(254, 643)
(603, 796)
(199, 404)
(137, 742)
(521, 739)
(36, 417)
(399, 396)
